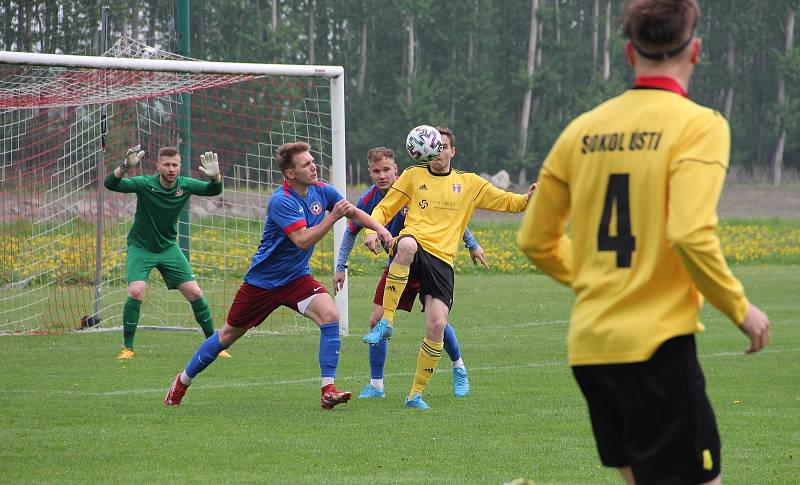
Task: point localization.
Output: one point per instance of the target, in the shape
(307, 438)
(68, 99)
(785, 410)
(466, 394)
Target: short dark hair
(379, 153)
(445, 131)
(287, 151)
(168, 152)
(660, 29)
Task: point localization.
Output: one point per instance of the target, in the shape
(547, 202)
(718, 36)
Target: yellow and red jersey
(637, 179)
(440, 206)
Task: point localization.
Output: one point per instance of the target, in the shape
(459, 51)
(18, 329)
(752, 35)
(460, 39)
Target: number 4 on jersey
(624, 243)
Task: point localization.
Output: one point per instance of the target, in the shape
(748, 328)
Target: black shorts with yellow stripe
(654, 416)
(434, 275)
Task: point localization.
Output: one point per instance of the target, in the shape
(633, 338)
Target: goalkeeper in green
(160, 198)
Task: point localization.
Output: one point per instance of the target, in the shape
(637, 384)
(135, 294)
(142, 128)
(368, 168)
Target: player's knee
(229, 334)
(406, 245)
(194, 294)
(328, 315)
(437, 324)
(190, 290)
(137, 289)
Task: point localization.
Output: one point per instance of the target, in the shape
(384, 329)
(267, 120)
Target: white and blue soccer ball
(424, 143)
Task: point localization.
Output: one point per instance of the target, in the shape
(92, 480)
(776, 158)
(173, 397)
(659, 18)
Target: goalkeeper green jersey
(440, 206)
(638, 178)
(155, 226)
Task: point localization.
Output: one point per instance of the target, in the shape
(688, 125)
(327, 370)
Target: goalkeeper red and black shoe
(176, 392)
(331, 397)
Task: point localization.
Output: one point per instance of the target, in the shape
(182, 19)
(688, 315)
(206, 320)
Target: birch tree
(525, 113)
(777, 154)
(607, 44)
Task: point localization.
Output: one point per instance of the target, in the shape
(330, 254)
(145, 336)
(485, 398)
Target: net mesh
(64, 129)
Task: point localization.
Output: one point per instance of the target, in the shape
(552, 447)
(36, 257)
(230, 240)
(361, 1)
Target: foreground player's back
(644, 171)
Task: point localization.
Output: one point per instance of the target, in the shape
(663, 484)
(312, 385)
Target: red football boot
(176, 392)
(331, 397)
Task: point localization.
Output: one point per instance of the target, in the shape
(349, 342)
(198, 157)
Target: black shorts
(434, 275)
(654, 416)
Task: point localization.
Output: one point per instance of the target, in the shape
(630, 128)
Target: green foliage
(470, 60)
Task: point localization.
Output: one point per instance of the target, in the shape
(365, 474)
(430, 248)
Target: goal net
(66, 121)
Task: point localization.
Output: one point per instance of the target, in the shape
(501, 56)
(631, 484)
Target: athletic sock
(396, 280)
(376, 383)
(429, 354)
(205, 355)
(202, 313)
(377, 359)
(185, 379)
(130, 319)
(451, 343)
(329, 345)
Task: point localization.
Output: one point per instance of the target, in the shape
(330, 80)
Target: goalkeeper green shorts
(171, 263)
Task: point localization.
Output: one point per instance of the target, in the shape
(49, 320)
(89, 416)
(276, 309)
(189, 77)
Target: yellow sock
(396, 281)
(429, 354)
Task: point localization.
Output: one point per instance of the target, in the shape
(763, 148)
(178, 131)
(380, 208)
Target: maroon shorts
(406, 299)
(252, 305)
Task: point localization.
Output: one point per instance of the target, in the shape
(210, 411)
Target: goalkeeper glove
(133, 156)
(209, 165)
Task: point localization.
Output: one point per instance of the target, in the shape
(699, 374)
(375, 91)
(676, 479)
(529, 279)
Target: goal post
(66, 121)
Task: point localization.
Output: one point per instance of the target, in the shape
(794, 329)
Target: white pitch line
(521, 325)
(289, 382)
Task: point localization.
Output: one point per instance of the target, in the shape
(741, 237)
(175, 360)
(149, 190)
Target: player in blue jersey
(280, 275)
(383, 171)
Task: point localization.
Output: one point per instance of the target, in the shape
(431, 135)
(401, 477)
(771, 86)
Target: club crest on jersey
(457, 188)
(179, 192)
(316, 208)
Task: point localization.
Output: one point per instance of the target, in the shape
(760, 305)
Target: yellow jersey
(440, 206)
(638, 178)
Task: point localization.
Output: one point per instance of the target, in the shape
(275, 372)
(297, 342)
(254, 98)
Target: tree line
(505, 75)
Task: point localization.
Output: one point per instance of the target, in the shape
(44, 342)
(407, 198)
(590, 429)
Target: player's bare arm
(478, 256)
(531, 190)
(338, 281)
(381, 233)
(371, 242)
(304, 238)
(756, 326)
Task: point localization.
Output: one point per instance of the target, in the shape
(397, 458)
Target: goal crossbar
(198, 67)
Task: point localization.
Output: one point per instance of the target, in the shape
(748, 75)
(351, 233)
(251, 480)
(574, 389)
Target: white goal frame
(334, 73)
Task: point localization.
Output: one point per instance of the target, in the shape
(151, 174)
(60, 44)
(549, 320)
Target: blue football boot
(381, 331)
(416, 402)
(369, 391)
(460, 382)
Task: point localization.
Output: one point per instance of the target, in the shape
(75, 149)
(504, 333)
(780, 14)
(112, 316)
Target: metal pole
(101, 169)
(184, 125)
(339, 179)
(129, 64)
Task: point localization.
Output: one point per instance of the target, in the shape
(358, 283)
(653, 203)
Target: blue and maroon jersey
(278, 260)
(367, 202)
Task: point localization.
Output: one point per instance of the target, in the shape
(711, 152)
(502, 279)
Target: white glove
(133, 156)
(209, 165)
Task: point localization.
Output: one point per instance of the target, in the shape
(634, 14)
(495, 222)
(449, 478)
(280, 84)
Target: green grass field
(70, 413)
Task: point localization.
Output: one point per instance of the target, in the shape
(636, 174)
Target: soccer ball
(424, 143)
